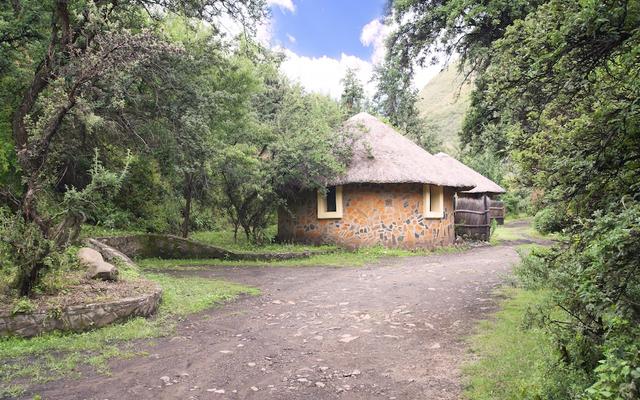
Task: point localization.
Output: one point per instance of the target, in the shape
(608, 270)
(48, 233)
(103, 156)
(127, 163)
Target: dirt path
(392, 330)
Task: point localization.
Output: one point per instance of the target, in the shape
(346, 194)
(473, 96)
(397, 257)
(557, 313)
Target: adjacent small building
(474, 209)
(483, 185)
(393, 193)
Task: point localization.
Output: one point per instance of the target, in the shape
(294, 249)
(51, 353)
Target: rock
(355, 372)
(347, 338)
(255, 389)
(320, 384)
(103, 271)
(97, 268)
(166, 380)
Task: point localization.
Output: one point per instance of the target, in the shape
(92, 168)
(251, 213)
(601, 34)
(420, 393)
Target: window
(433, 201)
(330, 203)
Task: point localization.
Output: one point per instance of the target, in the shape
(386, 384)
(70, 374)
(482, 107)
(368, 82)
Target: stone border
(84, 317)
(81, 317)
(173, 247)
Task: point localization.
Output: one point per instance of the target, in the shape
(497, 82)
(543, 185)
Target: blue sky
(321, 39)
(325, 27)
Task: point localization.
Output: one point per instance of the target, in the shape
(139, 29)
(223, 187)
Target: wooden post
(487, 217)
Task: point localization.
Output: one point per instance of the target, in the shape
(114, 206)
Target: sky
(322, 38)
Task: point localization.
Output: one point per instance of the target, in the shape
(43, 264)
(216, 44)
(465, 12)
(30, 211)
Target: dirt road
(391, 330)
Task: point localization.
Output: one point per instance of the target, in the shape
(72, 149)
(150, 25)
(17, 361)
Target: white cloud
(375, 34)
(283, 4)
(323, 74)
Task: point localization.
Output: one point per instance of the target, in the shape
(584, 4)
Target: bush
(548, 220)
(516, 202)
(29, 261)
(595, 280)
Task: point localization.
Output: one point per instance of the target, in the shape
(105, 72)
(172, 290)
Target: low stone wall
(80, 318)
(174, 247)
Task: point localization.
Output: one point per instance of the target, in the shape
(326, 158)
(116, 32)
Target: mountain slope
(444, 102)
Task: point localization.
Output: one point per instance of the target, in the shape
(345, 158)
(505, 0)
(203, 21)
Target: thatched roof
(382, 155)
(483, 184)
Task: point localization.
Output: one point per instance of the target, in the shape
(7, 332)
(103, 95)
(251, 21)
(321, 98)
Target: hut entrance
(473, 216)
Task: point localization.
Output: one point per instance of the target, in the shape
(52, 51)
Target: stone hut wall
(373, 214)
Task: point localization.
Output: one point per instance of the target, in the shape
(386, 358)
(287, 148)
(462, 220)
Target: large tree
(556, 93)
(70, 53)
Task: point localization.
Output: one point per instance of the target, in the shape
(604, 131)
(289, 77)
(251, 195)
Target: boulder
(97, 268)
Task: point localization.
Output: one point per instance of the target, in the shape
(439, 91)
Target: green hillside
(444, 102)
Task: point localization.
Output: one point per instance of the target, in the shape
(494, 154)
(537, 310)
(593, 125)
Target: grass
(509, 232)
(339, 258)
(55, 355)
(101, 231)
(511, 361)
(224, 238)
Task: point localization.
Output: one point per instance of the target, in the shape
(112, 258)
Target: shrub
(595, 281)
(548, 220)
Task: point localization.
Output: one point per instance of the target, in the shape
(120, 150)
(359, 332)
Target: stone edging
(81, 317)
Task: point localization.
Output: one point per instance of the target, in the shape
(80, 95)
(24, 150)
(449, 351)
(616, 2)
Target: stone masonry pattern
(374, 214)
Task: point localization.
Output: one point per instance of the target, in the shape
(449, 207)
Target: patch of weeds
(342, 258)
(12, 391)
(224, 238)
(55, 355)
(23, 306)
(90, 231)
(512, 359)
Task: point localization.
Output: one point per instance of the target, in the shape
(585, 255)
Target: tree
(87, 46)
(396, 99)
(352, 98)
(287, 143)
(556, 94)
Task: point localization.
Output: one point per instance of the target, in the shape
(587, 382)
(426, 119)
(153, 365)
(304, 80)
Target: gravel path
(391, 330)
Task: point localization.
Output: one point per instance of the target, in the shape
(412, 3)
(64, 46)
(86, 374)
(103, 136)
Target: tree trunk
(188, 195)
(29, 280)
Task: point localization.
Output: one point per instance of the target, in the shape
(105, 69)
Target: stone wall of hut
(387, 214)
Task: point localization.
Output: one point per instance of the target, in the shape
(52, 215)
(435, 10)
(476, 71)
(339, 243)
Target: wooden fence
(497, 211)
(473, 216)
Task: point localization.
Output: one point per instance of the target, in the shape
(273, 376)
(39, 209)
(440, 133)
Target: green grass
(101, 231)
(224, 238)
(511, 361)
(509, 232)
(339, 258)
(55, 355)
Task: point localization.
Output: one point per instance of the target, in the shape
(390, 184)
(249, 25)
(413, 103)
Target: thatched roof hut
(481, 182)
(382, 155)
(393, 193)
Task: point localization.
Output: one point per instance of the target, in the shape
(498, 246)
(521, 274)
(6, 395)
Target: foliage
(556, 89)
(464, 27)
(352, 98)
(516, 361)
(595, 281)
(548, 220)
(396, 100)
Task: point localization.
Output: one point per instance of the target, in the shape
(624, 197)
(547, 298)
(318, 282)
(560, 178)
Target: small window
(433, 201)
(330, 203)
(331, 199)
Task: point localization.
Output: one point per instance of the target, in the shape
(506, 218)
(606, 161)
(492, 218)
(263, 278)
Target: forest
(146, 116)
